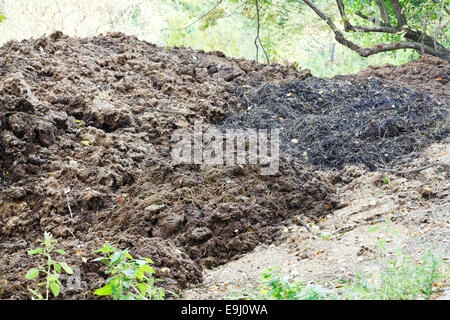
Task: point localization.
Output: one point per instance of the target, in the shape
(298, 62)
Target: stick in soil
(442, 164)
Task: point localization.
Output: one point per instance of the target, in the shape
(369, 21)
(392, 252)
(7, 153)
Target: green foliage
(51, 271)
(395, 278)
(2, 18)
(290, 32)
(275, 288)
(130, 279)
(399, 279)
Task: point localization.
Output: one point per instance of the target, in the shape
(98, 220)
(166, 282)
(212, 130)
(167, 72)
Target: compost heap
(85, 147)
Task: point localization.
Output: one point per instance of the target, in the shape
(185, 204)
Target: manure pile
(428, 73)
(85, 141)
(86, 127)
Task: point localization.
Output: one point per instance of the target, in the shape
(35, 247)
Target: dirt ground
(85, 147)
(421, 218)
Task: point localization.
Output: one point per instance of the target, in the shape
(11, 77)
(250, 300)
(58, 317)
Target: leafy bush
(130, 279)
(52, 270)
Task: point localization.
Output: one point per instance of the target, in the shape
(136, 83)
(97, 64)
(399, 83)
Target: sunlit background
(291, 33)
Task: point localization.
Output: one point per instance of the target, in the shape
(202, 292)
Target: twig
(362, 223)
(442, 164)
(204, 15)
(29, 115)
(258, 39)
(303, 223)
(68, 202)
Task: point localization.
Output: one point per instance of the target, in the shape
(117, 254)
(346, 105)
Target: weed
(399, 279)
(51, 271)
(275, 288)
(130, 279)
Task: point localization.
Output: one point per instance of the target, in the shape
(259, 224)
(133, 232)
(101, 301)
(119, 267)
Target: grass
(401, 279)
(398, 279)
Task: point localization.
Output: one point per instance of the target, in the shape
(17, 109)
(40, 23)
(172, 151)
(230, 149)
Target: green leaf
(129, 272)
(147, 268)
(149, 260)
(142, 288)
(116, 257)
(54, 286)
(105, 291)
(106, 249)
(127, 255)
(61, 251)
(66, 268)
(102, 259)
(32, 273)
(57, 267)
(140, 262)
(35, 251)
(53, 277)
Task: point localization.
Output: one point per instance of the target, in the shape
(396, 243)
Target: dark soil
(85, 128)
(330, 123)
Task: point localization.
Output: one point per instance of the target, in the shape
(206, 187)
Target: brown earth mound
(85, 146)
(85, 132)
(427, 73)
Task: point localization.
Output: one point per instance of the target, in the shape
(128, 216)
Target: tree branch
(258, 39)
(383, 11)
(398, 11)
(371, 19)
(341, 7)
(348, 26)
(381, 47)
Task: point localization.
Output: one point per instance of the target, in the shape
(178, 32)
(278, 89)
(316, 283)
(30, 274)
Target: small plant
(52, 270)
(130, 279)
(400, 279)
(275, 288)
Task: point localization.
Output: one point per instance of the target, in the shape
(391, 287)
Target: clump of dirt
(85, 154)
(330, 123)
(428, 73)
